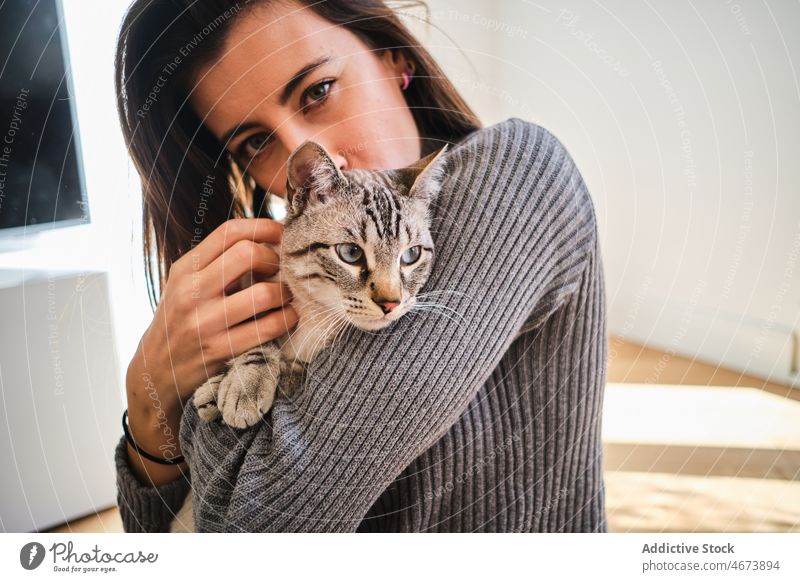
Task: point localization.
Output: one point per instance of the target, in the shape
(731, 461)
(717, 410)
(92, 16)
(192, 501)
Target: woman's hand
(199, 325)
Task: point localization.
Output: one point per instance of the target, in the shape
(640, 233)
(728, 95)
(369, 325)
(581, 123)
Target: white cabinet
(60, 404)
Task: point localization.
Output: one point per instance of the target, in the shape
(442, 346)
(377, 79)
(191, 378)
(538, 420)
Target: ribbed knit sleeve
(513, 230)
(145, 509)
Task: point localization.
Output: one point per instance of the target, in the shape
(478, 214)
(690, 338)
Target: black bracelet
(145, 454)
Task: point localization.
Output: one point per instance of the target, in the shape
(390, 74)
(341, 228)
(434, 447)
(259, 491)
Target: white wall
(113, 184)
(684, 119)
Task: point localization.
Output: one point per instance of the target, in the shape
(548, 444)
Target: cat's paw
(248, 389)
(205, 399)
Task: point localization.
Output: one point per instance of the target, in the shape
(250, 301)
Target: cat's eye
(349, 252)
(411, 255)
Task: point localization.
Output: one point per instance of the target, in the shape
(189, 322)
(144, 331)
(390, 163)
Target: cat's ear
(425, 176)
(312, 176)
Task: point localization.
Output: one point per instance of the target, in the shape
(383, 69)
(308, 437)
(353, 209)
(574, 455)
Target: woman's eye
(411, 255)
(317, 94)
(253, 145)
(349, 252)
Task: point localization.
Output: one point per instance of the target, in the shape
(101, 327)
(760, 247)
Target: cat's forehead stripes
(382, 208)
(381, 201)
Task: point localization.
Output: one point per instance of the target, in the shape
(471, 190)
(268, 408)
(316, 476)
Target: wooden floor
(632, 363)
(685, 480)
(680, 456)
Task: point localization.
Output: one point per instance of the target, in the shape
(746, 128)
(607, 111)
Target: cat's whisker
(437, 309)
(442, 314)
(325, 311)
(423, 304)
(319, 310)
(343, 329)
(442, 292)
(340, 321)
(345, 325)
(332, 325)
(348, 330)
(329, 314)
(332, 317)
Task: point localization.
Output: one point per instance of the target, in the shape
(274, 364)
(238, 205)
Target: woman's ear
(312, 176)
(395, 62)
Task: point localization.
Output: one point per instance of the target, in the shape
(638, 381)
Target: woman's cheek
(271, 177)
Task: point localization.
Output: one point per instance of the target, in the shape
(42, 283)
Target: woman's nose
(337, 157)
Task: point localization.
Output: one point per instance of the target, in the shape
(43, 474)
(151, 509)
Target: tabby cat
(356, 249)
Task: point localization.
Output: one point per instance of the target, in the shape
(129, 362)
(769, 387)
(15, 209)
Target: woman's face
(262, 100)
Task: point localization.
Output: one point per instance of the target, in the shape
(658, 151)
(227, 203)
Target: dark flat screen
(40, 177)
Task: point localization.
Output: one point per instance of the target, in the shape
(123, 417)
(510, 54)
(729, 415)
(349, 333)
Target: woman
(483, 416)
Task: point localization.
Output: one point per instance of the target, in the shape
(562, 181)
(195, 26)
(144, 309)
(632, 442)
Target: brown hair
(162, 43)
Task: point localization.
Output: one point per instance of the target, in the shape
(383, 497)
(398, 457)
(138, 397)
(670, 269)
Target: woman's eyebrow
(286, 94)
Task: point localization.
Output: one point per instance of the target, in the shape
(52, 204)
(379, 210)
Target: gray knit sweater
(484, 418)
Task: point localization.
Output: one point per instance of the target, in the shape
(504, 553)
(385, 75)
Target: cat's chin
(373, 323)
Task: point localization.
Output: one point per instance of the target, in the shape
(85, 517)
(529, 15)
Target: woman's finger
(225, 236)
(241, 258)
(244, 304)
(251, 333)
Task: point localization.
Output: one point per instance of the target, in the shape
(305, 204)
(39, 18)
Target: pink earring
(407, 75)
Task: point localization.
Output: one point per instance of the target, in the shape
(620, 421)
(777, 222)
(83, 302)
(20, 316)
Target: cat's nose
(387, 306)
